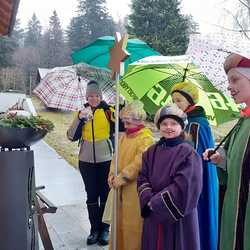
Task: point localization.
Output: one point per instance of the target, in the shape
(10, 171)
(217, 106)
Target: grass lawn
(57, 138)
(69, 150)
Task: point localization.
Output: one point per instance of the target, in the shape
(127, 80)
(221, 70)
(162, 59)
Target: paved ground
(69, 227)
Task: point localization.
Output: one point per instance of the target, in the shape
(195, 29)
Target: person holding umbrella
(169, 186)
(136, 139)
(233, 161)
(92, 126)
(185, 95)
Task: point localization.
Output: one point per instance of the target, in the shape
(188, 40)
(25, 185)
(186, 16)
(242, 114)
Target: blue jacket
(201, 133)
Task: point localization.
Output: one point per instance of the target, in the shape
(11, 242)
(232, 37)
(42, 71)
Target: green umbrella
(97, 53)
(151, 79)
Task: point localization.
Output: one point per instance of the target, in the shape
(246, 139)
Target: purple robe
(171, 179)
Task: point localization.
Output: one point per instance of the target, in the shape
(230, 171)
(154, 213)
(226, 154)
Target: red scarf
(130, 131)
(190, 108)
(245, 112)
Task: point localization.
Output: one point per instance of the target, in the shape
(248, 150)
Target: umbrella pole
(115, 212)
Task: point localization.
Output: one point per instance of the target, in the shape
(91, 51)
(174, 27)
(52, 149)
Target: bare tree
(121, 24)
(28, 60)
(237, 18)
(12, 79)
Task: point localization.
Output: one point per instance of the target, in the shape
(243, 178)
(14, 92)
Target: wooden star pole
(118, 55)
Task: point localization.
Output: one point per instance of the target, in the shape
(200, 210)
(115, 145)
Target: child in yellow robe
(132, 144)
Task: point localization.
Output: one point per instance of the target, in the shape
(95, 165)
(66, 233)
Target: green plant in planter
(19, 121)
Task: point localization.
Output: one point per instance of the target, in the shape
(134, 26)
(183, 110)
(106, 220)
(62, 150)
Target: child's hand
(215, 158)
(111, 181)
(118, 181)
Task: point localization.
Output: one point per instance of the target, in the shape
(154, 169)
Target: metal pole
(115, 212)
(30, 84)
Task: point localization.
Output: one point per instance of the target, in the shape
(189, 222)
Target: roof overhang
(8, 11)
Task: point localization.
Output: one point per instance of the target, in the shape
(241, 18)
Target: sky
(66, 9)
(205, 13)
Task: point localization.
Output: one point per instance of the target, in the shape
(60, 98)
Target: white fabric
(244, 71)
(210, 51)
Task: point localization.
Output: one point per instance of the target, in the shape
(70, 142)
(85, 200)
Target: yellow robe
(129, 226)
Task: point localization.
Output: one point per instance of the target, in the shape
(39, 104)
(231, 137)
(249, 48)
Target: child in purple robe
(169, 186)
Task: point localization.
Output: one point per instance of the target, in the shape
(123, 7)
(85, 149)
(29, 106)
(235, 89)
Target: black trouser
(95, 178)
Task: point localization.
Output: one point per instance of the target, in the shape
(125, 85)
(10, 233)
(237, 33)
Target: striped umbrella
(62, 89)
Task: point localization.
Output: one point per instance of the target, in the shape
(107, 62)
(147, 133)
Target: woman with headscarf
(186, 96)
(169, 186)
(136, 139)
(233, 161)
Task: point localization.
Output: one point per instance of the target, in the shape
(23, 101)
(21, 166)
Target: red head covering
(235, 60)
(244, 63)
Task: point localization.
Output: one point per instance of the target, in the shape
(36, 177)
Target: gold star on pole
(118, 54)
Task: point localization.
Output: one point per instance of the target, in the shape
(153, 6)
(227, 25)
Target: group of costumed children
(167, 195)
(167, 192)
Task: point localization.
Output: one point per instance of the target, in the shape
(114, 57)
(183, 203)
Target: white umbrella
(210, 51)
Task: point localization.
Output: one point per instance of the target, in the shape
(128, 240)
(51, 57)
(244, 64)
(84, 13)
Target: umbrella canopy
(97, 53)
(151, 79)
(66, 79)
(62, 89)
(210, 51)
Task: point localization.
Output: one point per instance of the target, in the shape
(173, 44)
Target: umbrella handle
(213, 151)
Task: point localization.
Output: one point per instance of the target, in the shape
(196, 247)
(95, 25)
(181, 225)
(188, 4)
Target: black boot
(93, 238)
(103, 239)
(104, 233)
(94, 219)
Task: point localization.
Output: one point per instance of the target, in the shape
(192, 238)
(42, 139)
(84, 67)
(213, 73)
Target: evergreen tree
(92, 22)
(7, 48)
(53, 46)
(34, 32)
(193, 27)
(18, 34)
(75, 34)
(160, 24)
(8, 45)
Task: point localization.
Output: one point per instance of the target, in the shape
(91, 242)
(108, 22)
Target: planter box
(19, 137)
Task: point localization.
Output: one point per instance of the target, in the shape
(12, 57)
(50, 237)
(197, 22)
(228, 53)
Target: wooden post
(44, 206)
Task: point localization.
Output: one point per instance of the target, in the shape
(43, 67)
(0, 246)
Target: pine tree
(7, 48)
(75, 34)
(18, 34)
(8, 45)
(34, 32)
(92, 22)
(160, 24)
(53, 46)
